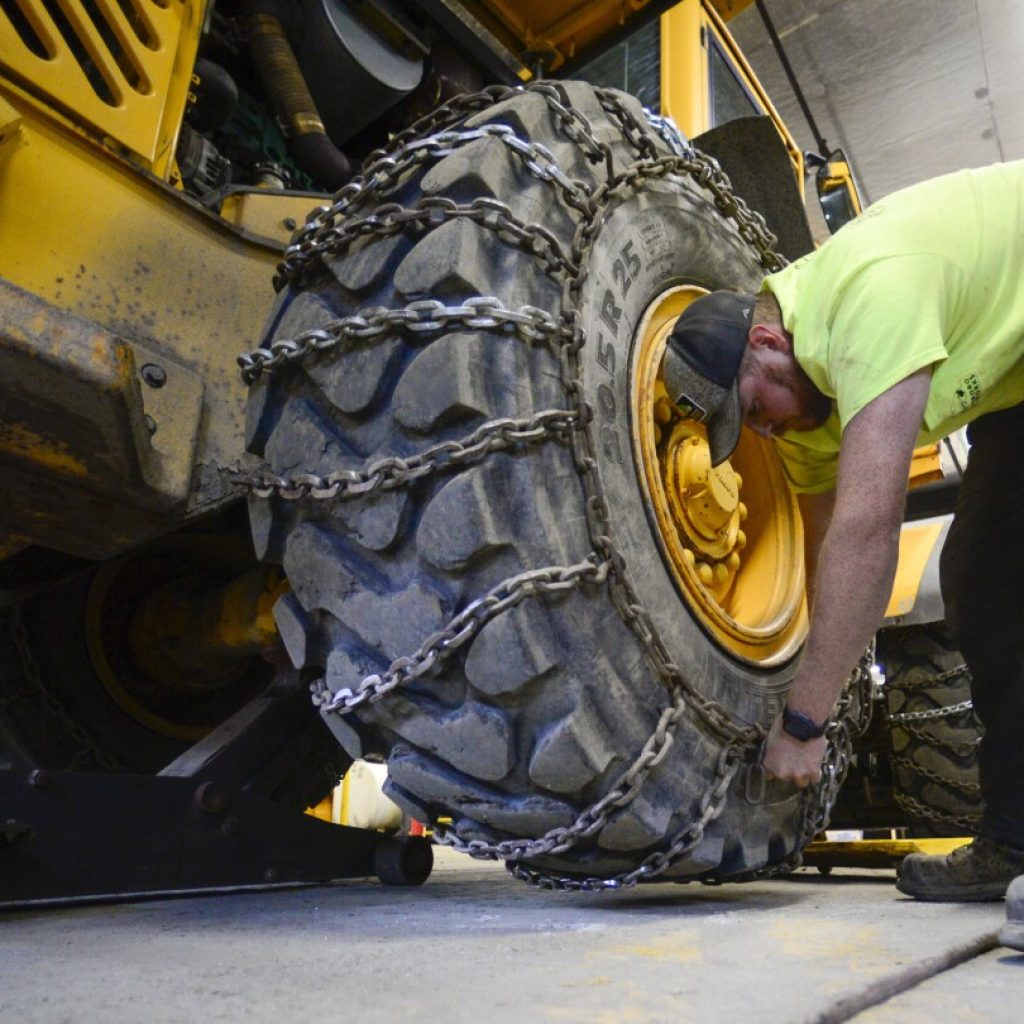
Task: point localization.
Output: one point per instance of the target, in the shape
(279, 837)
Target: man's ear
(770, 336)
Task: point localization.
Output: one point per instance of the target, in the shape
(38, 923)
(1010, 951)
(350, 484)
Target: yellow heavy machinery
(159, 162)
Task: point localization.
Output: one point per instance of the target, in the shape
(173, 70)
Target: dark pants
(982, 572)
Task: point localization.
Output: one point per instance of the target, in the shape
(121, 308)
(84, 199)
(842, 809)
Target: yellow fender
(916, 597)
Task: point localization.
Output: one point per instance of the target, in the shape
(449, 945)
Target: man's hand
(792, 760)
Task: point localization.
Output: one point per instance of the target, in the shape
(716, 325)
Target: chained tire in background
(416, 461)
(933, 730)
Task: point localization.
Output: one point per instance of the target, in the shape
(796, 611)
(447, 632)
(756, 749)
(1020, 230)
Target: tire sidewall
(677, 238)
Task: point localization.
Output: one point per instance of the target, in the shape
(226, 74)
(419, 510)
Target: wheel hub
(731, 534)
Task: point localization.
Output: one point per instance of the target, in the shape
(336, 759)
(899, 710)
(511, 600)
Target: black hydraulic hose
(283, 79)
(791, 75)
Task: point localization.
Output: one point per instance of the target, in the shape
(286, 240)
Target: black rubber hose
(216, 99)
(282, 78)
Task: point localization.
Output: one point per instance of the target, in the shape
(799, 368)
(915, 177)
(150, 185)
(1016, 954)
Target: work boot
(981, 870)
(1012, 933)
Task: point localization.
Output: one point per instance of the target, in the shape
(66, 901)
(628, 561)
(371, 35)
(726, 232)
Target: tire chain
(955, 672)
(463, 627)
(964, 749)
(915, 808)
(326, 233)
(946, 711)
(926, 773)
(483, 312)
(393, 472)
(385, 167)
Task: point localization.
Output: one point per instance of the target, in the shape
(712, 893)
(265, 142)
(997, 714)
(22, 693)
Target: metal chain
(819, 800)
(948, 711)
(334, 227)
(913, 806)
(956, 672)
(483, 312)
(669, 132)
(687, 839)
(430, 211)
(927, 773)
(394, 471)
(89, 751)
(385, 167)
(705, 170)
(464, 626)
(964, 749)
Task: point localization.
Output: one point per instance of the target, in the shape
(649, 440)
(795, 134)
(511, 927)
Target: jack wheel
(406, 860)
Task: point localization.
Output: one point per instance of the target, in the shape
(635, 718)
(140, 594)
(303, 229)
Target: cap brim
(724, 430)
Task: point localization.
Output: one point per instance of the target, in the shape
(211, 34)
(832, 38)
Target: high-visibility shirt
(932, 275)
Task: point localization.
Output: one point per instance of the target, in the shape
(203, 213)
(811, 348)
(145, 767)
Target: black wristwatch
(801, 727)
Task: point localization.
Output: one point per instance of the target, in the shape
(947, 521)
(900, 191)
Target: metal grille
(121, 66)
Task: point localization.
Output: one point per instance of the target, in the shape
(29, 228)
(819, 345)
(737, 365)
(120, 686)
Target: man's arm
(816, 513)
(856, 566)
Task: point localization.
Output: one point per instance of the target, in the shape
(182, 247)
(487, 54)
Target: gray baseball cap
(702, 362)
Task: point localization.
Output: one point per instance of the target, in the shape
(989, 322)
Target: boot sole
(989, 892)
(1012, 935)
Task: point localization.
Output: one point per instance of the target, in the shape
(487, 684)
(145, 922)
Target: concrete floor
(473, 945)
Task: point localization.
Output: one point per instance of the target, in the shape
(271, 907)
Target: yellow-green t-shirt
(929, 276)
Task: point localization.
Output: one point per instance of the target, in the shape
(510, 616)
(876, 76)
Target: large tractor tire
(662, 638)
(933, 730)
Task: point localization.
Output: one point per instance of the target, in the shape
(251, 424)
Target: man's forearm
(816, 513)
(856, 568)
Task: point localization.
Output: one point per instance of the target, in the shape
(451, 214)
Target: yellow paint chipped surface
(18, 440)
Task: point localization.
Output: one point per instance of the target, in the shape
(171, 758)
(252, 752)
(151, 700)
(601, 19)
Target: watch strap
(800, 726)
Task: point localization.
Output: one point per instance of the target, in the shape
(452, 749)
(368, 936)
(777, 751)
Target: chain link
(968, 824)
(429, 139)
(331, 229)
(483, 312)
(948, 711)
(956, 672)
(963, 749)
(465, 625)
(394, 471)
(669, 132)
(687, 839)
(926, 773)
(430, 211)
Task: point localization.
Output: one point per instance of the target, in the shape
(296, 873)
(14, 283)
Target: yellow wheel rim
(731, 535)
